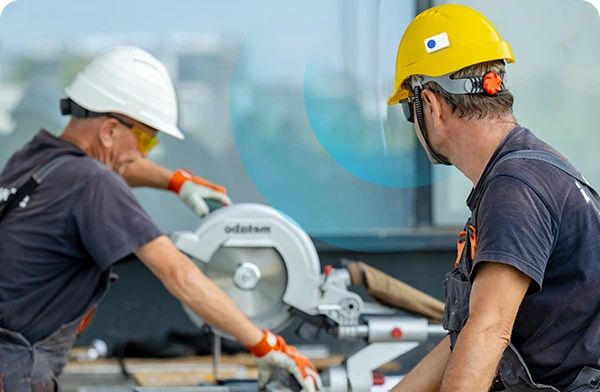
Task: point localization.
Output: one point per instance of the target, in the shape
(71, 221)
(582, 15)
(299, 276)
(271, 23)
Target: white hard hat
(129, 81)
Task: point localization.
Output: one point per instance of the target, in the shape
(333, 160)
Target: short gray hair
(477, 106)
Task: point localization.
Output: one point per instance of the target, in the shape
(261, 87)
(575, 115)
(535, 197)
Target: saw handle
(213, 205)
(282, 380)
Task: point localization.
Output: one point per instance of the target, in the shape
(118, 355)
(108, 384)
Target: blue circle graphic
(431, 44)
(313, 147)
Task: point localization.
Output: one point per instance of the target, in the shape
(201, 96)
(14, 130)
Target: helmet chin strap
(437, 158)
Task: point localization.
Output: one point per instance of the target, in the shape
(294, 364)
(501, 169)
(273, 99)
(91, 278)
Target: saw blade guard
(259, 256)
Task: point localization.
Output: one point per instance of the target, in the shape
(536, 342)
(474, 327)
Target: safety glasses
(145, 141)
(407, 108)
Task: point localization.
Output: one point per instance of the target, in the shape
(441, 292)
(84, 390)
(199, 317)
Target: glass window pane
(555, 43)
(283, 104)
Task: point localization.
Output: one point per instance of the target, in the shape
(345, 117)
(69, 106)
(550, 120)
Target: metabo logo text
(247, 229)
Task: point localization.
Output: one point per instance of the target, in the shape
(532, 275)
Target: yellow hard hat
(443, 40)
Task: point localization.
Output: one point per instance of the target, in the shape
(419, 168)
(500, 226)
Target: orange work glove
(194, 190)
(272, 352)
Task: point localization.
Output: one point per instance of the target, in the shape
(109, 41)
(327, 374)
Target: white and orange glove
(272, 352)
(194, 191)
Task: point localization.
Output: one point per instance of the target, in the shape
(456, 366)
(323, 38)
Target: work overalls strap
(34, 181)
(555, 161)
(513, 374)
(457, 284)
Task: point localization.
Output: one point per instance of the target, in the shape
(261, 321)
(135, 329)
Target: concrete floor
(119, 383)
(96, 383)
(107, 375)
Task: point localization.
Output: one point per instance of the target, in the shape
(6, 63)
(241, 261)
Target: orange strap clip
(473, 240)
(460, 246)
(86, 321)
(462, 240)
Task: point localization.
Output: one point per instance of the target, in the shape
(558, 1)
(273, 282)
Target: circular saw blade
(263, 301)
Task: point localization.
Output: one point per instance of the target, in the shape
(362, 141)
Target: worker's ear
(433, 107)
(108, 132)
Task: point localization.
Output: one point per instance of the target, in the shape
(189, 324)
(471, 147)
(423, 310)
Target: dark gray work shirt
(55, 252)
(533, 217)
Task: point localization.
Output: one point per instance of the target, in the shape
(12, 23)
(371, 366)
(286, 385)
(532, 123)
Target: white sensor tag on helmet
(437, 42)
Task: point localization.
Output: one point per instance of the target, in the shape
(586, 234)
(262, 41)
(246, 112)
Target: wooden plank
(177, 379)
(243, 359)
(188, 371)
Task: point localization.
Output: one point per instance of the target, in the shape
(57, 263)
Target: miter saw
(270, 268)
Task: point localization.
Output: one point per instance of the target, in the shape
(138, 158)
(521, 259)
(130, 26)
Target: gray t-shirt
(534, 217)
(56, 251)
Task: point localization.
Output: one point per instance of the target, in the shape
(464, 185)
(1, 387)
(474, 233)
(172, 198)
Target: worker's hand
(272, 352)
(194, 191)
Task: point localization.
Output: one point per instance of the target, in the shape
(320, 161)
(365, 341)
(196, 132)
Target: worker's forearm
(207, 300)
(427, 375)
(145, 173)
(188, 284)
(475, 359)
